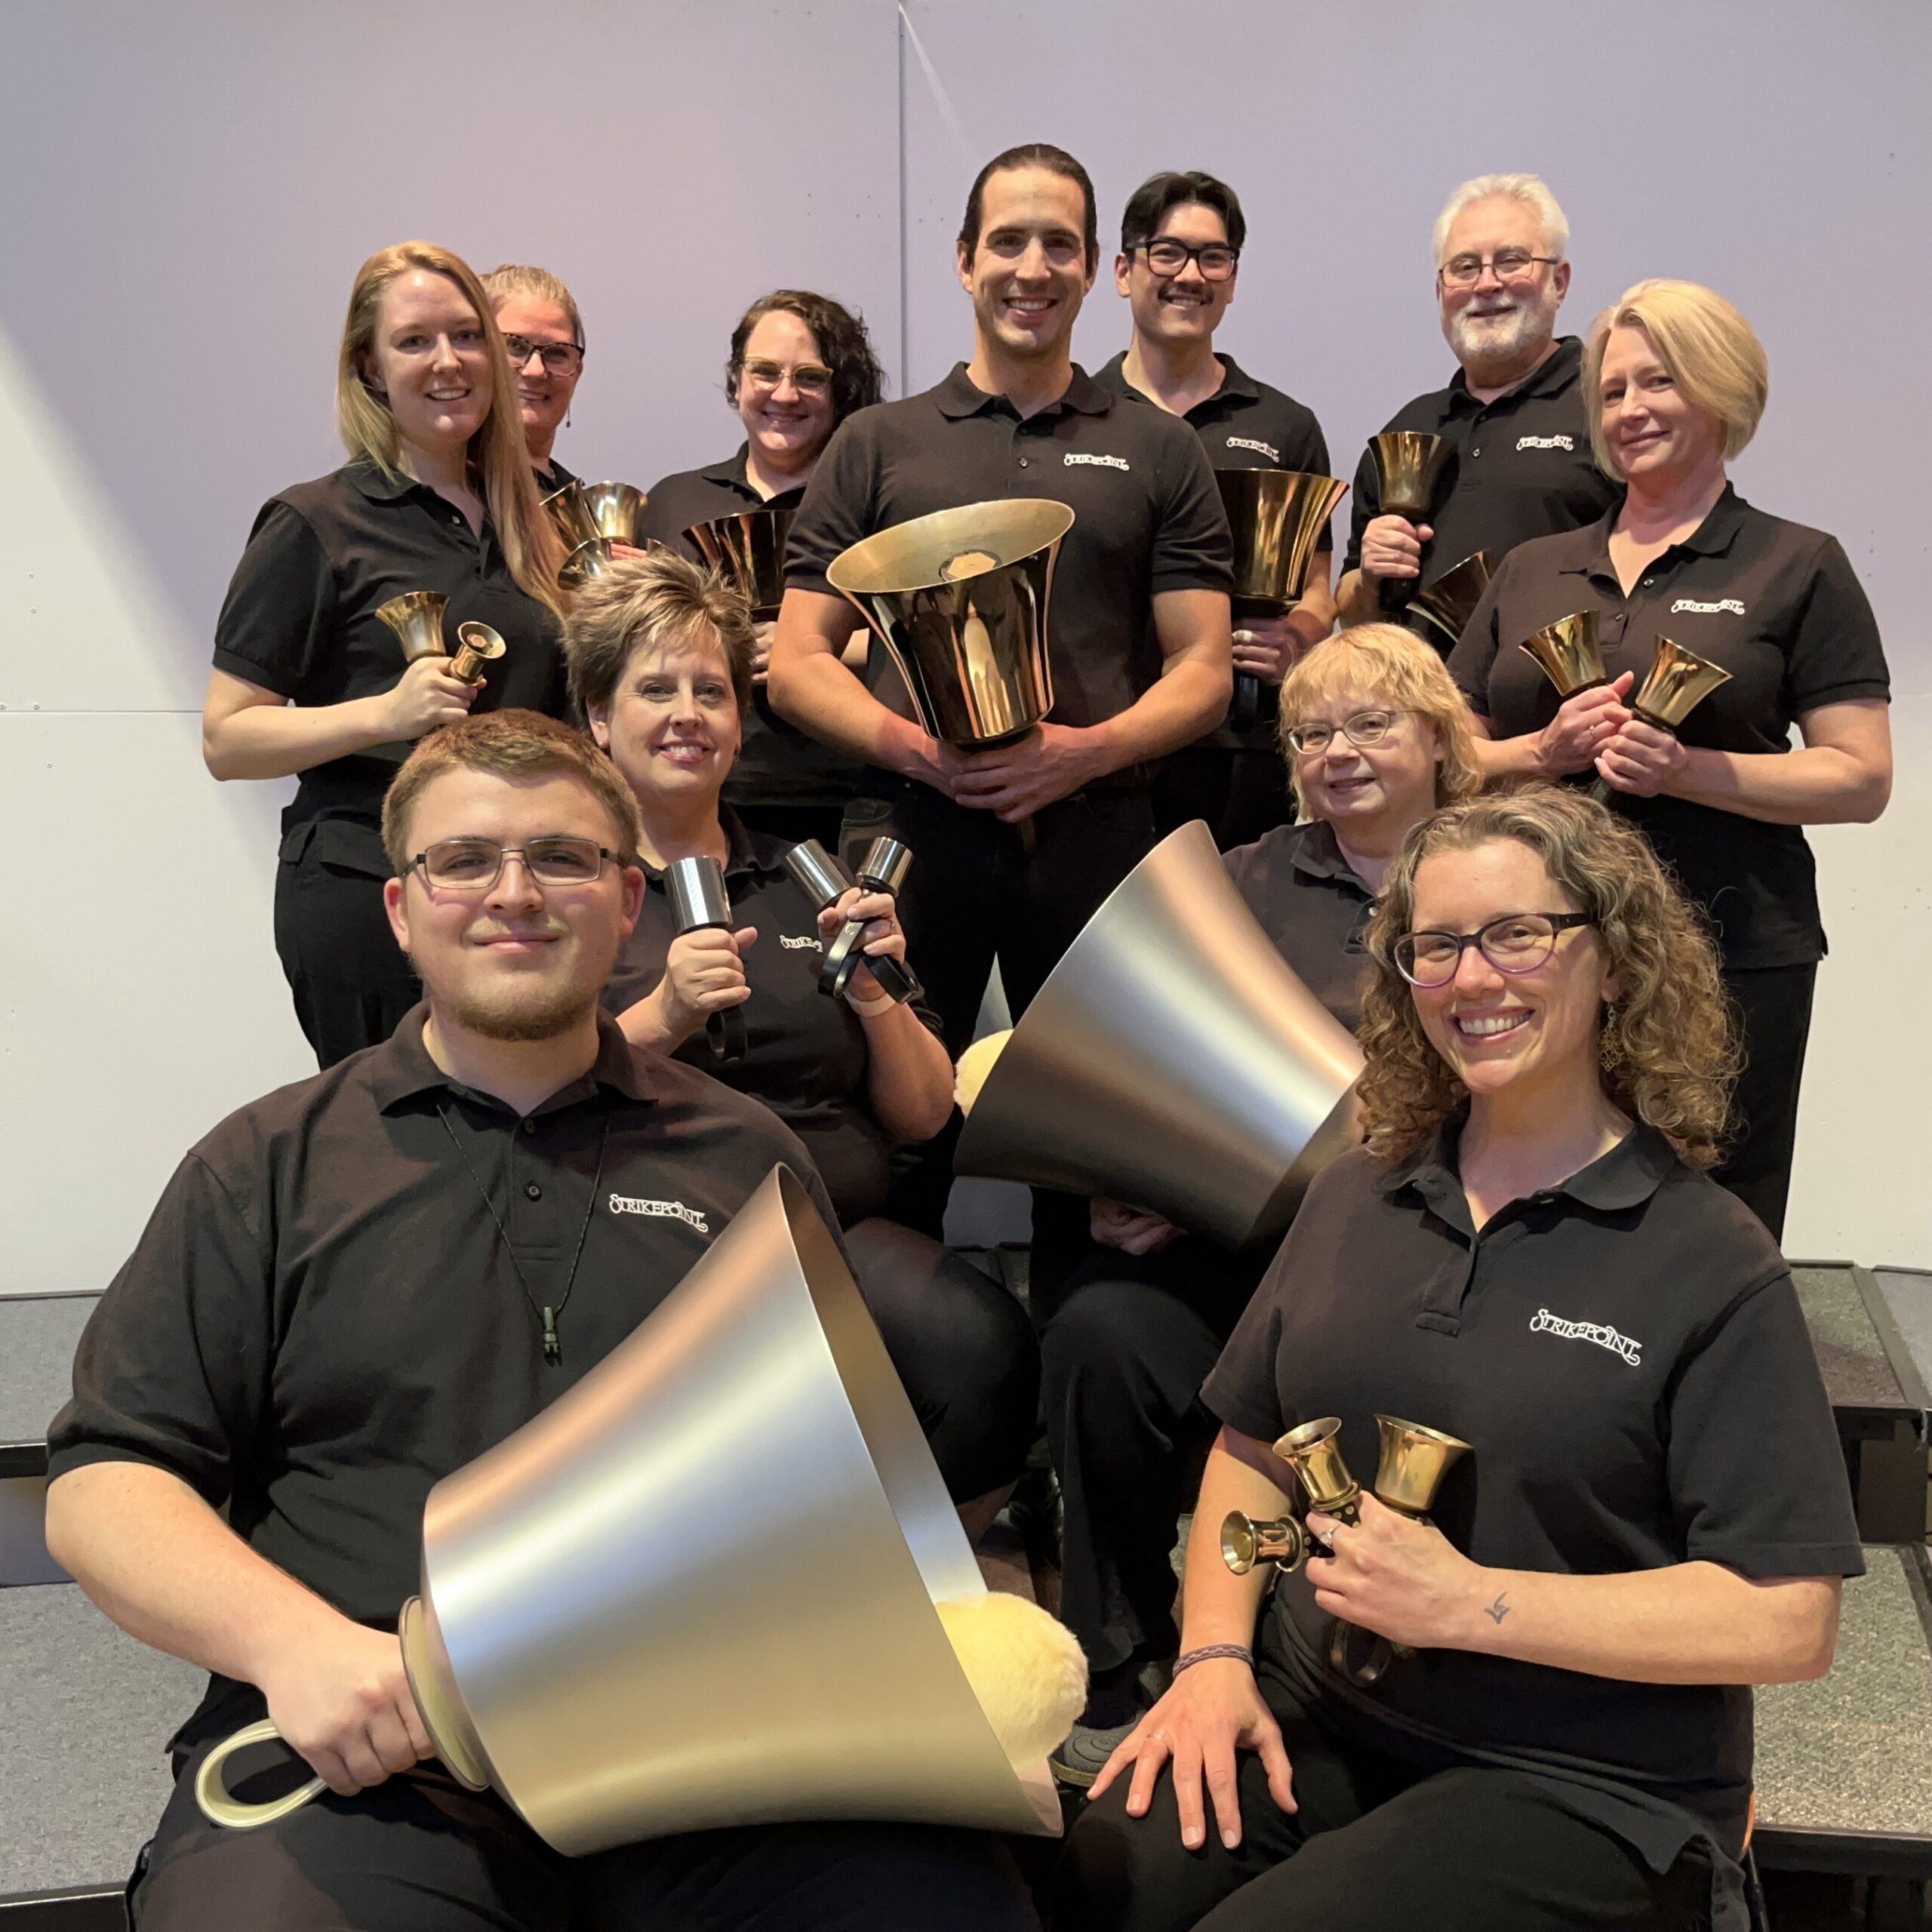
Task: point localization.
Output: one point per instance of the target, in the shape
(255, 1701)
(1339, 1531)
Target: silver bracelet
(868, 1009)
(1240, 1653)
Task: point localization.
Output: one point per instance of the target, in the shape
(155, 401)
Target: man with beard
(1522, 467)
(359, 1283)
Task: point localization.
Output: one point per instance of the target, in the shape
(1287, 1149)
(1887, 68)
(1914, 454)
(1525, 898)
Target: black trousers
(964, 1350)
(1240, 794)
(1775, 1002)
(1125, 1344)
(413, 1856)
(351, 980)
(1376, 1846)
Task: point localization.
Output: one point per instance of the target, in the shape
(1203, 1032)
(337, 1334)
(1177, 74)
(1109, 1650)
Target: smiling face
(522, 960)
(1498, 324)
(786, 426)
(673, 726)
(1652, 430)
(1180, 308)
(1387, 787)
(1029, 274)
(430, 361)
(1498, 1030)
(545, 398)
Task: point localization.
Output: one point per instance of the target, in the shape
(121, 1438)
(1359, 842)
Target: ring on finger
(1243, 637)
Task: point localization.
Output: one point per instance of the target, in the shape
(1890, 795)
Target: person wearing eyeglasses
(309, 681)
(1181, 243)
(1377, 738)
(544, 335)
(1514, 410)
(800, 364)
(1528, 1255)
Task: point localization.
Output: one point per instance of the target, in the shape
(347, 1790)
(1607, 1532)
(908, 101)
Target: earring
(1611, 1051)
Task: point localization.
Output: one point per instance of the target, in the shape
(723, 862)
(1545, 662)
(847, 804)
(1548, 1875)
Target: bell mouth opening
(968, 563)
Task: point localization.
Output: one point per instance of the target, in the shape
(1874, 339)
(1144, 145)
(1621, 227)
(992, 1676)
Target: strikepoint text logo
(668, 1211)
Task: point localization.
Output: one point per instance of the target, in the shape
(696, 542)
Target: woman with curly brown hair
(1653, 1516)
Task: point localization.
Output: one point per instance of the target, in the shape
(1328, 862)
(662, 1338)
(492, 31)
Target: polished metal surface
(1172, 1060)
(820, 877)
(1679, 681)
(477, 644)
(590, 558)
(416, 618)
(885, 864)
(615, 510)
(1279, 517)
(1244, 1542)
(1568, 653)
(696, 886)
(959, 598)
(1450, 600)
(571, 515)
(1414, 1461)
(749, 549)
(1408, 466)
(1313, 1451)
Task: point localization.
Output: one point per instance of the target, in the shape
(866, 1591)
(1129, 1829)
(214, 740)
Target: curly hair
(1669, 1047)
(857, 380)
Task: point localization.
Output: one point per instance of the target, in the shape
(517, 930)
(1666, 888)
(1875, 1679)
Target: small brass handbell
(1244, 1542)
(1409, 465)
(1568, 653)
(1314, 1453)
(590, 559)
(959, 599)
(1279, 517)
(1414, 1461)
(571, 515)
(1451, 600)
(1679, 681)
(749, 550)
(416, 618)
(478, 645)
(615, 510)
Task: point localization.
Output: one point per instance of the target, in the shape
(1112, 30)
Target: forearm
(648, 1024)
(1188, 700)
(1356, 599)
(1218, 1606)
(1818, 785)
(1691, 1623)
(160, 1563)
(276, 741)
(909, 1074)
(1314, 617)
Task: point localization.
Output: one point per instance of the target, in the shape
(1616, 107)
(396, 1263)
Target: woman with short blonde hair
(312, 679)
(1675, 381)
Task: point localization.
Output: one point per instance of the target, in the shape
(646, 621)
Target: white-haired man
(1514, 410)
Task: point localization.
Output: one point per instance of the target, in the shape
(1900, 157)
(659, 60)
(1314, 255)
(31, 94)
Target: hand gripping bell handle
(698, 899)
(218, 1804)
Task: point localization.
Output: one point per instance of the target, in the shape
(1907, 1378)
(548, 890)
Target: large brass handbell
(959, 599)
(1408, 466)
(1279, 517)
(1450, 602)
(748, 549)
(571, 515)
(1568, 653)
(416, 618)
(1679, 681)
(615, 510)
(1312, 1451)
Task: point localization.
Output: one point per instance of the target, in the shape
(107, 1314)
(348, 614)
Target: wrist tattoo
(1496, 1611)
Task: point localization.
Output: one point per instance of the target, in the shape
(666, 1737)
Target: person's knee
(1097, 1354)
(1119, 1874)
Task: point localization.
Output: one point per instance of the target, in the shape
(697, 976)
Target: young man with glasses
(354, 1287)
(543, 333)
(1514, 410)
(1180, 243)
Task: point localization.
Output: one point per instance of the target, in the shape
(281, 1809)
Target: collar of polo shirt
(959, 395)
(402, 1068)
(1713, 537)
(1624, 1178)
(1551, 375)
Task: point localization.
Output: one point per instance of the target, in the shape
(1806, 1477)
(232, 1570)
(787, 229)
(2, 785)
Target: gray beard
(1478, 340)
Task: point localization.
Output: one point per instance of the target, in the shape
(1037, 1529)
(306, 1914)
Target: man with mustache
(358, 1284)
(1514, 410)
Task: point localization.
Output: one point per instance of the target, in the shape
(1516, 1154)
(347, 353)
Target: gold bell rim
(913, 555)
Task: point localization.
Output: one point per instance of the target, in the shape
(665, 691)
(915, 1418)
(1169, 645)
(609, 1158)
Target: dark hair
(1032, 154)
(1148, 206)
(857, 380)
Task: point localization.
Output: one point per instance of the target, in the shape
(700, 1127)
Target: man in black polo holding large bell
(1520, 464)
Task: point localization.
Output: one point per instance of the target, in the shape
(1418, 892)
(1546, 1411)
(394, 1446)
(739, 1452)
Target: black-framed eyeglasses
(1365, 727)
(1508, 264)
(808, 378)
(1215, 259)
(1515, 942)
(560, 358)
(474, 864)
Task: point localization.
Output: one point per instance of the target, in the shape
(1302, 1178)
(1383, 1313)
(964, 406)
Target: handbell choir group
(1575, 930)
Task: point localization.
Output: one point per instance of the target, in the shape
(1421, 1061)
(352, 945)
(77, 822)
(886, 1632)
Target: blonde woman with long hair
(310, 682)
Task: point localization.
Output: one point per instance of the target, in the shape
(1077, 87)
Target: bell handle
(220, 1807)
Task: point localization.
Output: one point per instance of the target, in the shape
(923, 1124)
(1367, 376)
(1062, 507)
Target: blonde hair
(1669, 1048)
(510, 278)
(643, 602)
(1531, 190)
(1712, 353)
(499, 461)
(1399, 667)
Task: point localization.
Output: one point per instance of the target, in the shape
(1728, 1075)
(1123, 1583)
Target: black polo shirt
(805, 1056)
(300, 619)
(1148, 517)
(1522, 468)
(696, 495)
(1776, 605)
(549, 481)
(1626, 1354)
(320, 1321)
(1312, 905)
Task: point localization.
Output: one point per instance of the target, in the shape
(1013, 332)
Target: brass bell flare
(1568, 653)
(1413, 1463)
(1450, 601)
(1244, 1542)
(1313, 1451)
(748, 550)
(615, 510)
(1408, 465)
(570, 515)
(959, 600)
(1279, 517)
(477, 644)
(592, 558)
(1679, 681)
(416, 618)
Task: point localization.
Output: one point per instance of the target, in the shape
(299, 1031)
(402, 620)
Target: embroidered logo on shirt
(671, 1211)
(1546, 442)
(1248, 443)
(1098, 462)
(798, 944)
(1730, 604)
(1544, 1323)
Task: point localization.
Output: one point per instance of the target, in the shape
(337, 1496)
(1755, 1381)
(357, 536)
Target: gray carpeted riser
(36, 1359)
(1908, 1294)
(1851, 1356)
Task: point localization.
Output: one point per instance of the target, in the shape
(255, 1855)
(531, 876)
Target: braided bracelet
(1239, 1652)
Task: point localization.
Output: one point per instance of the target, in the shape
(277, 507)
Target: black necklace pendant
(553, 1348)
